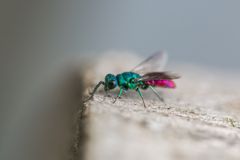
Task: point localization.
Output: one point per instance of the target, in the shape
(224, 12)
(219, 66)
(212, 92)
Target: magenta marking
(161, 83)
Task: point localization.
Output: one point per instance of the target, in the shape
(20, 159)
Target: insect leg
(140, 93)
(119, 95)
(94, 91)
(156, 93)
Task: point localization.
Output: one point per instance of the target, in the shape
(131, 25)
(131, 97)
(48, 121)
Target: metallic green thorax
(124, 80)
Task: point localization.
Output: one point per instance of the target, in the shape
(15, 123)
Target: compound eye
(111, 84)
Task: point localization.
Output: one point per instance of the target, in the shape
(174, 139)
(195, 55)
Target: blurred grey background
(36, 35)
(197, 31)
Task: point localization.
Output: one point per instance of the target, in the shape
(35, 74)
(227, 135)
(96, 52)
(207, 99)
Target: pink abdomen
(161, 83)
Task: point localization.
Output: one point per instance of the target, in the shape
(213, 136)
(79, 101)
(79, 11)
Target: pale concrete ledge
(200, 120)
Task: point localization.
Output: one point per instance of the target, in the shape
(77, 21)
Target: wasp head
(110, 82)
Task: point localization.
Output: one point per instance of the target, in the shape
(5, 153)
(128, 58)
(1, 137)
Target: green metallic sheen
(124, 81)
(110, 82)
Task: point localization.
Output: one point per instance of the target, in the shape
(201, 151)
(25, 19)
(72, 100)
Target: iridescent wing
(154, 63)
(159, 79)
(152, 74)
(158, 76)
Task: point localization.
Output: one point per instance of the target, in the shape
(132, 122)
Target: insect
(148, 74)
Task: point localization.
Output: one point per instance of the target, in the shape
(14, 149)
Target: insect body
(125, 81)
(140, 78)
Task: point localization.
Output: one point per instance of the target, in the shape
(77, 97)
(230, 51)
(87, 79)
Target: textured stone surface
(199, 120)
